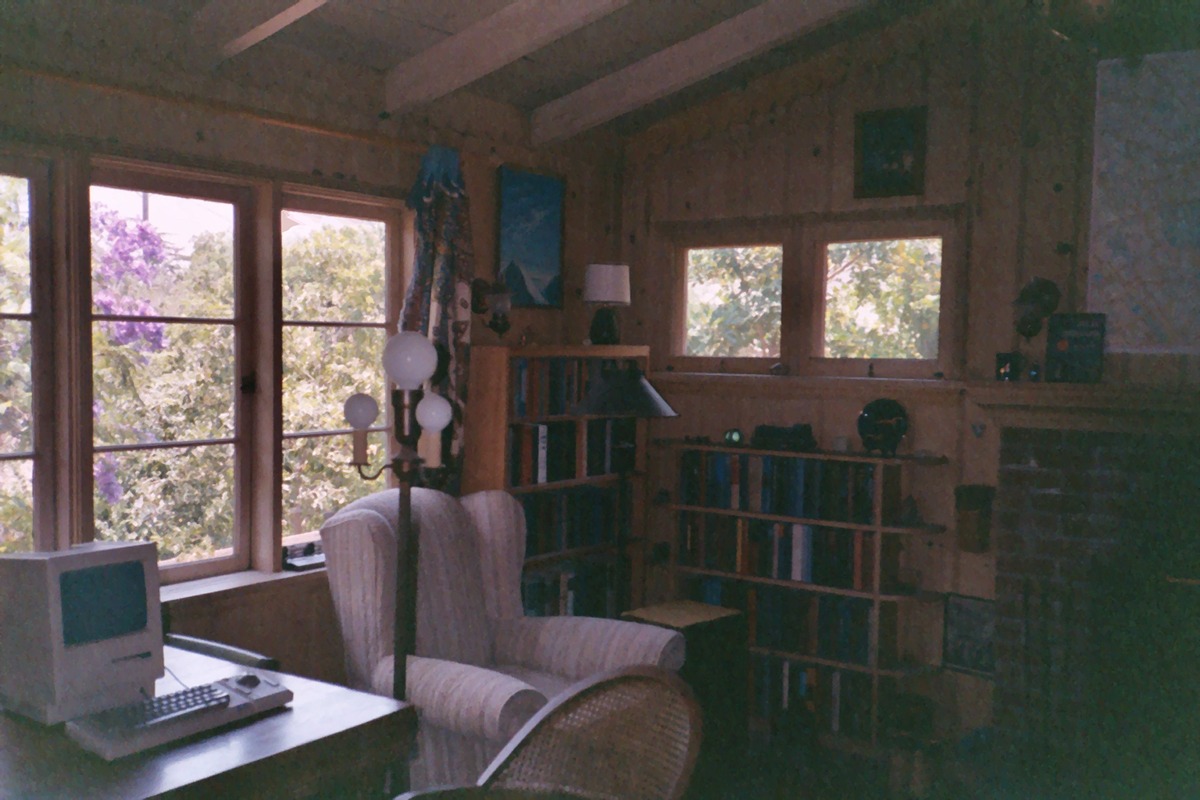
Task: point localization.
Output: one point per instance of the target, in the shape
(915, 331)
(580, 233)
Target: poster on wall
(530, 237)
(969, 630)
(889, 152)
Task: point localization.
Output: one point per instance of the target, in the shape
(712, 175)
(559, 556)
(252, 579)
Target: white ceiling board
(487, 45)
(227, 27)
(724, 45)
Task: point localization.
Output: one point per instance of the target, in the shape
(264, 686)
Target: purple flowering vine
(126, 251)
(105, 473)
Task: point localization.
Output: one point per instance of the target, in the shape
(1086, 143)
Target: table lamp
(606, 285)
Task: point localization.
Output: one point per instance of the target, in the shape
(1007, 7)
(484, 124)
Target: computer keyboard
(132, 728)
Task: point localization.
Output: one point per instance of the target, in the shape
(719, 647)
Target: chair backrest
(360, 555)
(500, 527)
(624, 735)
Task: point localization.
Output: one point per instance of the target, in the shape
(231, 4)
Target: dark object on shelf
(973, 509)
(300, 557)
(882, 424)
(1075, 348)
(1008, 366)
(798, 438)
(1038, 299)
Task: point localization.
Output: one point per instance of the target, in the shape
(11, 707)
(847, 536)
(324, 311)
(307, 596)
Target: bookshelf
(808, 545)
(576, 475)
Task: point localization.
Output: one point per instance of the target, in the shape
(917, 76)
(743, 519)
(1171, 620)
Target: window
(882, 299)
(165, 350)
(335, 313)
(733, 301)
(172, 371)
(16, 363)
(834, 297)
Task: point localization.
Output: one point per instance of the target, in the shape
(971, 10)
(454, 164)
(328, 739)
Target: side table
(716, 668)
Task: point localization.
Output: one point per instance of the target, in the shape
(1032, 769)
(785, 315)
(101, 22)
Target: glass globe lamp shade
(433, 412)
(360, 410)
(409, 359)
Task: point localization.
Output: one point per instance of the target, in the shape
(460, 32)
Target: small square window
(883, 298)
(733, 301)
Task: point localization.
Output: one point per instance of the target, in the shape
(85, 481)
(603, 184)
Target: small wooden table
(330, 741)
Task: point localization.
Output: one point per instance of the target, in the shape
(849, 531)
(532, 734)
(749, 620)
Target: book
(1075, 348)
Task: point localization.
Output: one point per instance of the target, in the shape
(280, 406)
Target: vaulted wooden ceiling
(571, 65)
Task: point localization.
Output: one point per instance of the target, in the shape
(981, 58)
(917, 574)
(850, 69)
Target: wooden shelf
(815, 522)
(800, 586)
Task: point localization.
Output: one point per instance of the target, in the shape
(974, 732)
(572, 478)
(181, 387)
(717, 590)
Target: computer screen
(80, 629)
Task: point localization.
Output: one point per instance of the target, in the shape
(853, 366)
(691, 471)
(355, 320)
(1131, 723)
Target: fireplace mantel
(1076, 406)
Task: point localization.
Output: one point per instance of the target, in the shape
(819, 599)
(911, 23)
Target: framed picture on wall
(530, 229)
(889, 152)
(969, 634)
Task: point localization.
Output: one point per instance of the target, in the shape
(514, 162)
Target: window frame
(62, 318)
(48, 532)
(804, 244)
(398, 257)
(139, 177)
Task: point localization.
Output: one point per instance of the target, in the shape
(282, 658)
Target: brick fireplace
(1096, 641)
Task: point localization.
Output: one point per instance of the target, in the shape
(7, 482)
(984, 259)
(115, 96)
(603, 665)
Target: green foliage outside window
(733, 303)
(16, 388)
(882, 298)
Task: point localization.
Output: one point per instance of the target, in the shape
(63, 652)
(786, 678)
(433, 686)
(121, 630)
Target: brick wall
(1081, 518)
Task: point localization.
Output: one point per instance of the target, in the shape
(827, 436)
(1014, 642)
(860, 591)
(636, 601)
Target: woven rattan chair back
(632, 734)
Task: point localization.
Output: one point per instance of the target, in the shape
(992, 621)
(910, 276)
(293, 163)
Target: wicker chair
(631, 734)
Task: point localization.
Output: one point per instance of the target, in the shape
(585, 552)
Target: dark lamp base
(604, 328)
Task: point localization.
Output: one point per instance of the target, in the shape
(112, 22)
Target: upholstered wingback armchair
(482, 668)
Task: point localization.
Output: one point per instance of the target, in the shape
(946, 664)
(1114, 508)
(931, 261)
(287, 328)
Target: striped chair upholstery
(482, 668)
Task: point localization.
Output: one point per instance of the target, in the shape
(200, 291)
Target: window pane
(16, 506)
(733, 301)
(161, 255)
(318, 479)
(159, 382)
(181, 498)
(882, 298)
(14, 245)
(322, 367)
(16, 387)
(333, 268)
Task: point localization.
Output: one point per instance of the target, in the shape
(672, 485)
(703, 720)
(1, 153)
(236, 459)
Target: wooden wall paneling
(809, 155)
(995, 202)
(948, 98)
(290, 617)
(766, 164)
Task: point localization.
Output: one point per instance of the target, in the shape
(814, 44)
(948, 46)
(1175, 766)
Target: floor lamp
(623, 391)
(409, 359)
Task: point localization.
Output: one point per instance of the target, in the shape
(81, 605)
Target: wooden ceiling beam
(720, 47)
(224, 28)
(511, 33)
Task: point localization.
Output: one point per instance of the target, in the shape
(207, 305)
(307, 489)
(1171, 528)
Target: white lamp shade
(360, 410)
(606, 283)
(409, 359)
(433, 412)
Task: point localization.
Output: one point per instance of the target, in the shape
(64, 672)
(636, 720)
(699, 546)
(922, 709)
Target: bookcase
(576, 475)
(808, 545)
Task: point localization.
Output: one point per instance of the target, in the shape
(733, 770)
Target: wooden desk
(330, 741)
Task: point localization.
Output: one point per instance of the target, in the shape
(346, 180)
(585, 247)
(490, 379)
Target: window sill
(248, 581)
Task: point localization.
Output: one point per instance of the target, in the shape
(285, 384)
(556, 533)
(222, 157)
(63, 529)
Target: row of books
(583, 588)
(578, 516)
(793, 486)
(545, 387)
(831, 700)
(830, 627)
(833, 557)
(545, 452)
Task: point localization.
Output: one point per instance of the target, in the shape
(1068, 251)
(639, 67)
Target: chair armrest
(469, 700)
(227, 652)
(576, 647)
